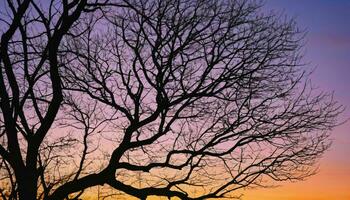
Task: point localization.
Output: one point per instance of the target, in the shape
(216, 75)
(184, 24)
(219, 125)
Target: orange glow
(332, 183)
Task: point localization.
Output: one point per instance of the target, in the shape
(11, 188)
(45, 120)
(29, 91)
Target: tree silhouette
(192, 99)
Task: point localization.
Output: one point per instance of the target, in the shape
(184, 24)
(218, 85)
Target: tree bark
(27, 186)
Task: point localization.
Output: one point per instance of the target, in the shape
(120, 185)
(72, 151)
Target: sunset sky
(328, 50)
(248, 112)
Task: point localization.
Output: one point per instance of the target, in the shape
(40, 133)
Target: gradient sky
(328, 50)
(327, 23)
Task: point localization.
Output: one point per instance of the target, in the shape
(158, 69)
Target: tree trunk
(27, 186)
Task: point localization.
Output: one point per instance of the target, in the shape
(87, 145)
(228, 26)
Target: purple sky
(328, 40)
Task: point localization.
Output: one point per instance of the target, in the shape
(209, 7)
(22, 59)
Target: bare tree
(31, 92)
(192, 99)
